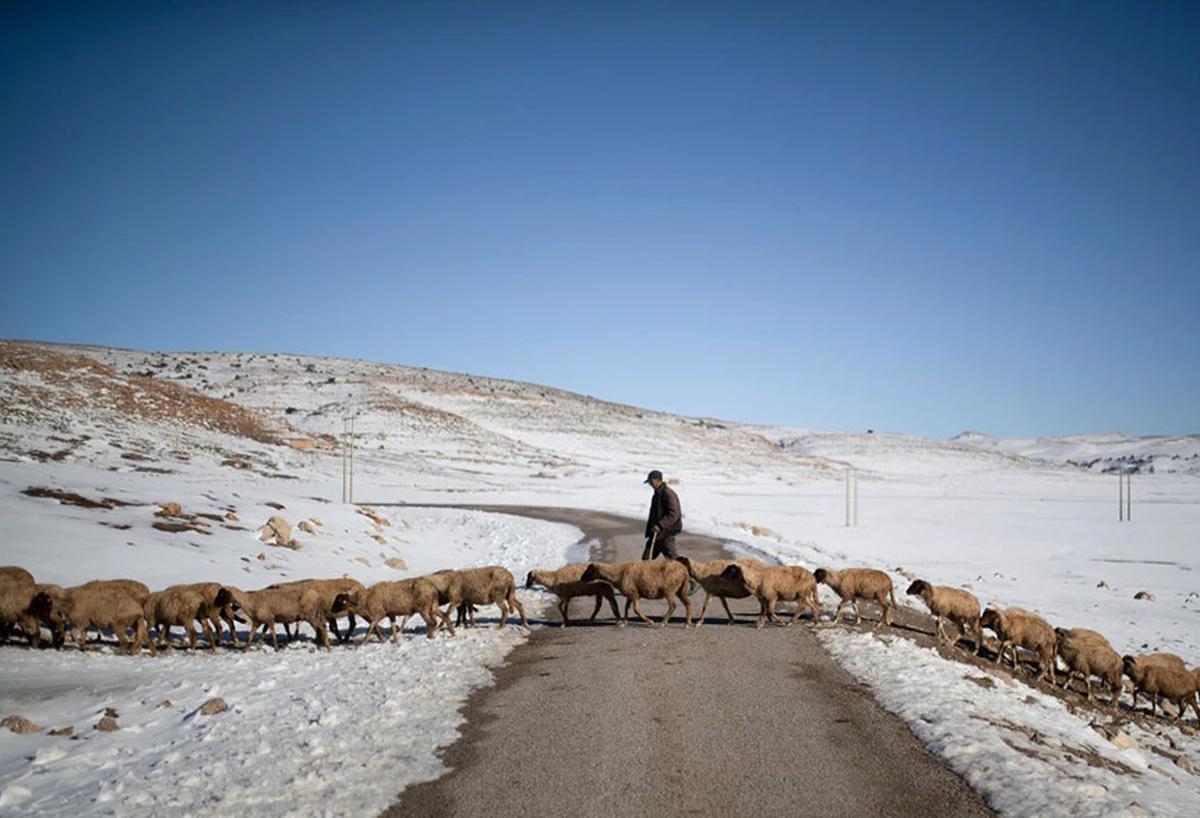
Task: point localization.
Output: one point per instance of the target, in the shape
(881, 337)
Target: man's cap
(654, 475)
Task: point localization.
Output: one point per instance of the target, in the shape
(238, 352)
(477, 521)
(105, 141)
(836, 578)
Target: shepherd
(665, 520)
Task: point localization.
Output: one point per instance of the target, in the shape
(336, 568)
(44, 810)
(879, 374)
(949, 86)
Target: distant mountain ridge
(1105, 453)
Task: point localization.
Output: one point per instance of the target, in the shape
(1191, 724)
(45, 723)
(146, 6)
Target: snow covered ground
(340, 732)
(1018, 525)
(1024, 751)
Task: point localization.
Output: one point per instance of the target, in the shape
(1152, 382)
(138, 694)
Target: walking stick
(648, 554)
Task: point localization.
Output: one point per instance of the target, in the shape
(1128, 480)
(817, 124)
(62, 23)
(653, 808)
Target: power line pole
(851, 498)
(1124, 495)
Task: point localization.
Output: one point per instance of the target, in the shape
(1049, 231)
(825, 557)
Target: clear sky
(921, 217)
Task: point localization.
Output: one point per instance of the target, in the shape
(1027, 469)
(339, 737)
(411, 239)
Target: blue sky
(921, 217)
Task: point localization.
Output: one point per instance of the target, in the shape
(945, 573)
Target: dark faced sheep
(406, 597)
(711, 577)
(645, 579)
(101, 607)
(566, 584)
(954, 604)
(1089, 654)
(853, 584)
(1015, 627)
(777, 583)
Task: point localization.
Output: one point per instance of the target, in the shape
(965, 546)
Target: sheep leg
(625, 617)
(662, 623)
(141, 634)
(837, 615)
(503, 606)
(612, 601)
(431, 624)
(857, 612)
(191, 635)
(515, 602)
(704, 607)
(638, 610)
(595, 610)
(724, 604)
(395, 630)
(762, 614)
(563, 604)
(372, 624)
(123, 645)
(318, 625)
(885, 617)
(275, 635)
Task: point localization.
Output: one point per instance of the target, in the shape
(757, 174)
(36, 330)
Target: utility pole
(851, 498)
(348, 460)
(1124, 495)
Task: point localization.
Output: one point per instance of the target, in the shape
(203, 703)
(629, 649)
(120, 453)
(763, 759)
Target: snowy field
(1012, 520)
(307, 731)
(1022, 750)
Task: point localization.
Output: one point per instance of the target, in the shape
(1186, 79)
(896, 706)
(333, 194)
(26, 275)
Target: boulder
(276, 531)
(107, 725)
(19, 724)
(213, 707)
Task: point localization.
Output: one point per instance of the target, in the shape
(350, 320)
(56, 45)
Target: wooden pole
(847, 498)
(856, 500)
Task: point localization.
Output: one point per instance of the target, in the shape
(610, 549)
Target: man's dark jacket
(665, 513)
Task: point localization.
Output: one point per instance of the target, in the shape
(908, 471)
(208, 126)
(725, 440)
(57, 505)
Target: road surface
(719, 720)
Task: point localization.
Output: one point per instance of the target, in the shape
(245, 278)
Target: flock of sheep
(127, 607)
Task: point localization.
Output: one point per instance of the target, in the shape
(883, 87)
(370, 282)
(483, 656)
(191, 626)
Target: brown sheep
(15, 573)
(853, 584)
(31, 624)
(270, 607)
(710, 576)
(777, 583)
(182, 606)
(1156, 675)
(645, 579)
(565, 584)
(102, 607)
(1017, 627)
(16, 592)
(132, 587)
(1088, 653)
(328, 589)
(405, 598)
(489, 585)
(954, 604)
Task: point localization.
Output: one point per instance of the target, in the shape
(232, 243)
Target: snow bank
(1023, 751)
(308, 732)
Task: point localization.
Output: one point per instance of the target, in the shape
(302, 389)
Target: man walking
(665, 520)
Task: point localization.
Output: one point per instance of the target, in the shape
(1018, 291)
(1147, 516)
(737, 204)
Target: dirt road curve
(720, 720)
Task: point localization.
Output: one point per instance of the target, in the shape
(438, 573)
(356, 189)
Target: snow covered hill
(97, 444)
(1099, 453)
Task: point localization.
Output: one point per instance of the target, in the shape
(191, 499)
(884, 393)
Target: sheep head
(918, 588)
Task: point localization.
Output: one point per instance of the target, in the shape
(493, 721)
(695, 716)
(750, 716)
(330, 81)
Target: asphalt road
(719, 720)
